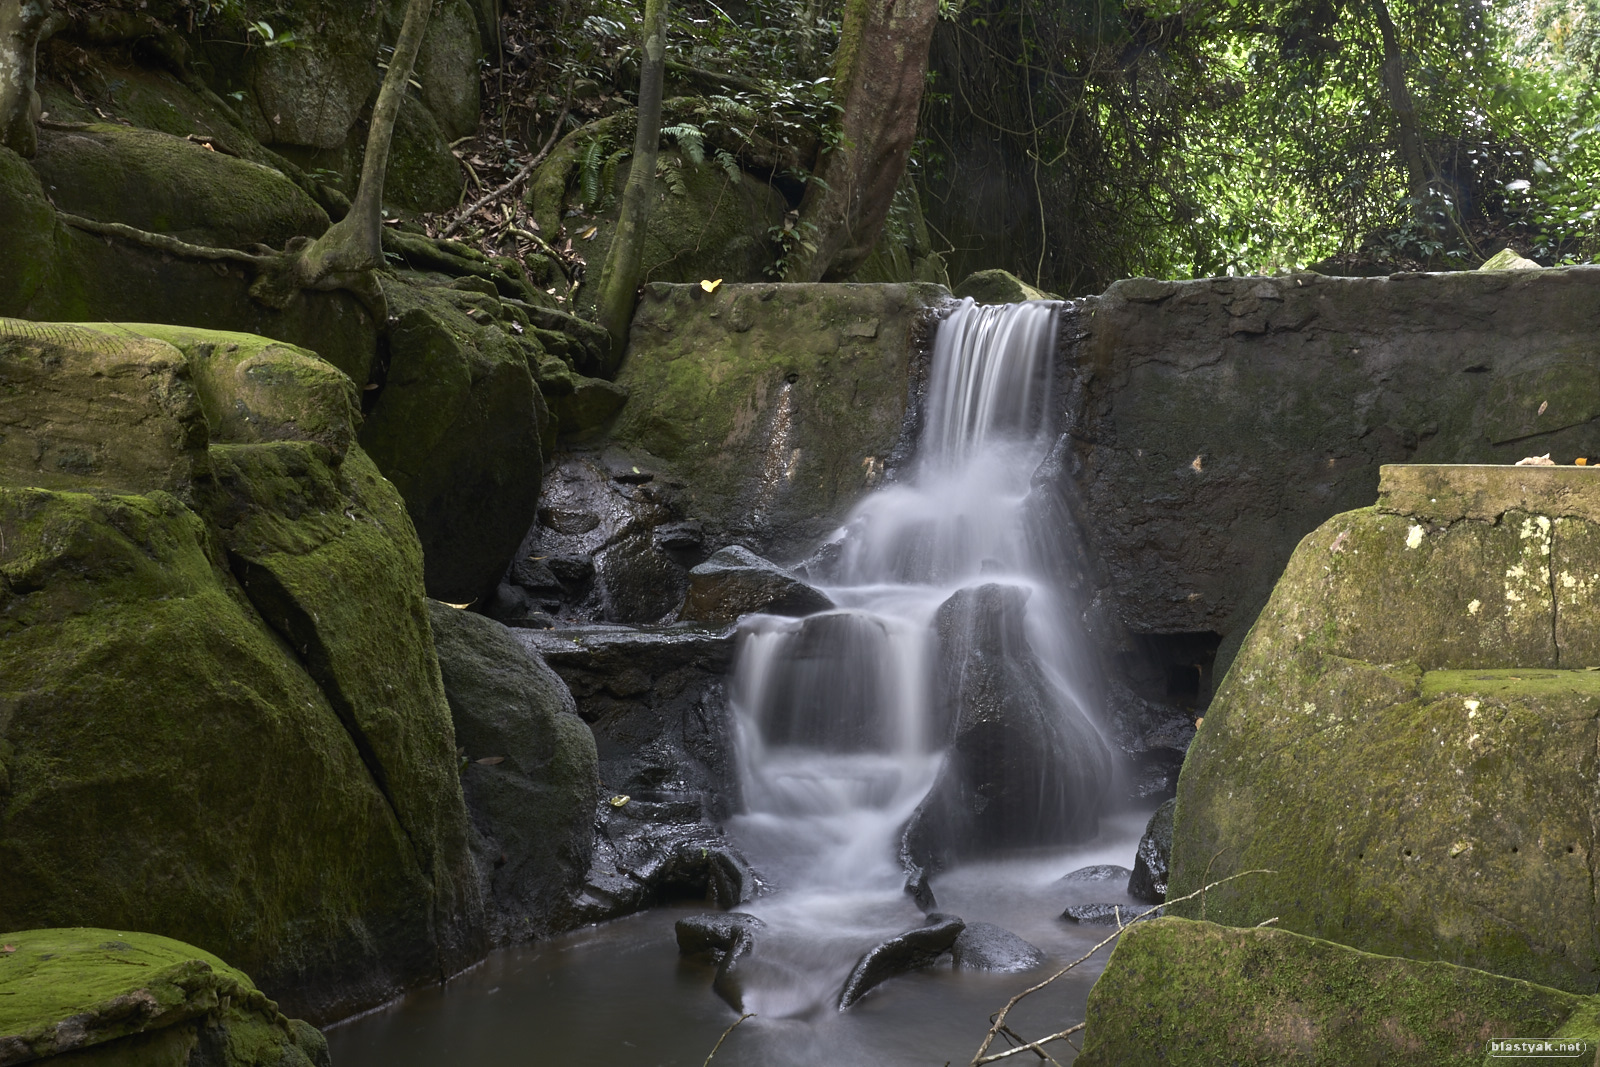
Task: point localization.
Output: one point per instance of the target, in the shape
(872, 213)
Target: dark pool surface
(618, 995)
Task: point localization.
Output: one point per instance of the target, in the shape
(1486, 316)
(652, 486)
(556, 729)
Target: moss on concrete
(776, 404)
(1188, 993)
(1408, 738)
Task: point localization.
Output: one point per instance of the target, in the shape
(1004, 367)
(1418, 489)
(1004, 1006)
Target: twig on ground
(998, 1022)
(725, 1033)
(517, 178)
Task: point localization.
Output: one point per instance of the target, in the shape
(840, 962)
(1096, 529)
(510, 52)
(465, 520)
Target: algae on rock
(202, 705)
(70, 993)
(1195, 994)
(1407, 739)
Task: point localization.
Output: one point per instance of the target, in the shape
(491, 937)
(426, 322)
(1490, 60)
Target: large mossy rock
(777, 405)
(1194, 994)
(1408, 737)
(211, 687)
(166, 184)
(91, 996)
(74, 276)
(530, 778)
(457, 428)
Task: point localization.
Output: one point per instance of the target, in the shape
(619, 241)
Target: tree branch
(519, 177)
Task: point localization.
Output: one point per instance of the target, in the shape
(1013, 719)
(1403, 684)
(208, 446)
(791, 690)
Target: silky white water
(842, 727)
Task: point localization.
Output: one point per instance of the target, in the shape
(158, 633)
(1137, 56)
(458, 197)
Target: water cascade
(939, 714)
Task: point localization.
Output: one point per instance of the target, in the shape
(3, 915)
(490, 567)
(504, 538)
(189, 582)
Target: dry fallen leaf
(1544, 405)
(8, 948)
(588, 235)
(490, 761)
(458, 607)
(1581, 461)
(1196, 466)
(709, 285)
(1536, 461)
(619, 800)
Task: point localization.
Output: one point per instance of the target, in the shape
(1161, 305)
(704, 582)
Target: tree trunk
(878, 76)
(21, 22)
(346, 255)
(619, 283)
(1394, 82)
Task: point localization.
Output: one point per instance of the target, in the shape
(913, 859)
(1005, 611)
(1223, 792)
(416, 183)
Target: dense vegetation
(1074, 143)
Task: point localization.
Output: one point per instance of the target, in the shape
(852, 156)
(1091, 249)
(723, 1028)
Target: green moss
(160, 182)
(137, 999)
(998, 287)
(29, 224)
(423, 174)
(1446, 814)
(776, 404)
(457, 429)
(85, 411)
(254, 389)
(1186, 993)
(149, 711)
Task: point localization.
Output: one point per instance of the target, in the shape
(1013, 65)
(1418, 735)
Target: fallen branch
(999, 1021)
(1034, 1046)
(516, 179)
(725, 1033)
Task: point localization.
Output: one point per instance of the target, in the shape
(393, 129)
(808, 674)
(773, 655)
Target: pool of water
(618, 995)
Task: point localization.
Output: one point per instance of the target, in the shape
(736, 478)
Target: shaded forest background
(1077, 142)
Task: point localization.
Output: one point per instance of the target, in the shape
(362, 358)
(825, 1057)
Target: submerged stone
(987, 947)
(1100, 872)
(1148, 881)
(901, 954)
(1107, 914)
(1203, 994)
(714, 933)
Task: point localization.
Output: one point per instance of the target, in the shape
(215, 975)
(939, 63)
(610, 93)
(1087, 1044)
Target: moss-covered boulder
(1194, 994)
(75, 276)
(457, 429)
(998, 287)
(778, 406)
(220, 716)
(167, 184)
(91, 996)
(530, 773)
(1408, 737)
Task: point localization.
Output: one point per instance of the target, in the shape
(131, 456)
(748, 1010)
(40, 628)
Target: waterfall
(946, 691)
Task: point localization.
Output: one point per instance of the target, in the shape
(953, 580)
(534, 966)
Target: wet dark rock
(919, 890)
(568, 520)
(714, 933)
(657, 705)
(1099, 872)
(1106, 914)
(987, 947)
(1150, 865)
(736, 581)
(512, 605)
(535, 576)
(729, 983)
(679, 536)
(1154, 774)
(530, 777)
(901, 954)
(1025, 767)
(573, 572)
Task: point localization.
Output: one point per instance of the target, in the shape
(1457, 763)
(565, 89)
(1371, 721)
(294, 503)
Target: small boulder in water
(729, 982)
(901, 954)
(1026, 766)
(987, 947)
(735, 581)
(713, 933)
(1099, 872)
(1106, 914)
(1150, 867)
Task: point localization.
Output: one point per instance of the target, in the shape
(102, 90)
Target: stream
(950, 621)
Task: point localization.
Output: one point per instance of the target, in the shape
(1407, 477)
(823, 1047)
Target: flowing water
(949, 593)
